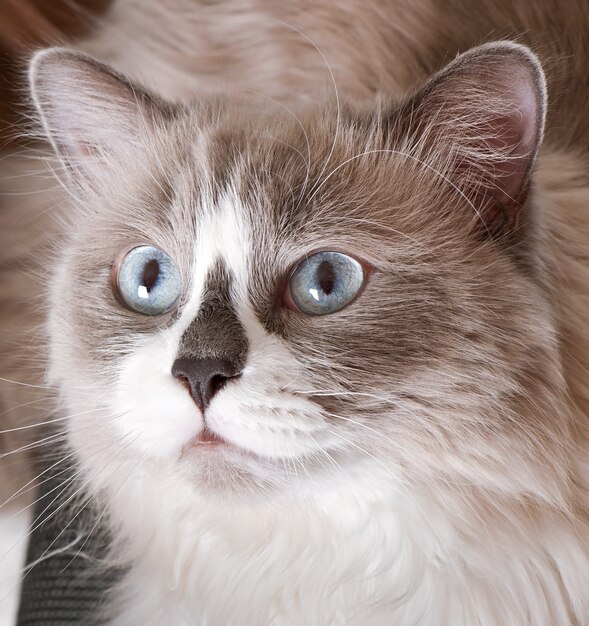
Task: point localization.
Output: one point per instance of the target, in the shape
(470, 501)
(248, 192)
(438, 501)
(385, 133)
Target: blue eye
(325, 283)
(147, 281)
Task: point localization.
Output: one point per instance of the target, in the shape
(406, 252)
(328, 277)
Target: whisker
(336, 94)
(37, 444)
(408, 156)
(104, 510)
(61, 459)
(388, 472)
(302, 127)
(366, 426)
(29, 567)
(321, 393)
(44, 555)
(16, 382)
(64, 486)
(34, 482)
(52, 421)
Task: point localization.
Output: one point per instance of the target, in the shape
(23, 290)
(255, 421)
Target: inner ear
(482, 117)
(89, 112)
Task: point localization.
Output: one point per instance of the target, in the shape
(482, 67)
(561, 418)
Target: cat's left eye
(146, 280)
(324, 283)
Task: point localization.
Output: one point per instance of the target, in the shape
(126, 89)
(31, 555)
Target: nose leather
(204, 377)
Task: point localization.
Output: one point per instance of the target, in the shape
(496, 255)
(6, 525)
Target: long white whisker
(34, 482)
(408, 156)
(52, 421)
(16, 382)
(37, 444)
(104, 510)
(44, 556)
(363, 450)
(335, 90)
(321, 393)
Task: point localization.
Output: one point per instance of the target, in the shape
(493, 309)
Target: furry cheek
(261, 411)
(156, 413)
(278, 426)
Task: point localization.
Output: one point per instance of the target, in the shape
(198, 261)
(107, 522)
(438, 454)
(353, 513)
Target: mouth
(209, 445)
(207, 439)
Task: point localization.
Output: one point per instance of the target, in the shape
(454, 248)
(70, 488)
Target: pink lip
(206, 440)
(209, 438)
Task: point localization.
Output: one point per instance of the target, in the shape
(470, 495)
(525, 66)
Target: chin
(226, 473)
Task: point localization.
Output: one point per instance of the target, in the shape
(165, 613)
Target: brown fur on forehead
(318, 172)
(277, 161)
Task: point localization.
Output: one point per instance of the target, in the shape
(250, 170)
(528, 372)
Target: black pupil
(151, 271)
(326, 277)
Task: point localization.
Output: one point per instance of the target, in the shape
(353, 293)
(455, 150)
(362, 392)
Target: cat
(325, 353)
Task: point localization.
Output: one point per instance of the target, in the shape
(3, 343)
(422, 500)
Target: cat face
(408, 224)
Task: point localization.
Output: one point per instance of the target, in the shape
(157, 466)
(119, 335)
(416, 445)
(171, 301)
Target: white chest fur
(355, 556)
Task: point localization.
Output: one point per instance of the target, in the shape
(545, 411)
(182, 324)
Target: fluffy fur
(419, 457)
(27, 221)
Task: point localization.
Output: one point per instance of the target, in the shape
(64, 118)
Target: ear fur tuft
(89, 112)
(484, 114)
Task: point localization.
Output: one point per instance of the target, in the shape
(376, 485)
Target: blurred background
(24, 26)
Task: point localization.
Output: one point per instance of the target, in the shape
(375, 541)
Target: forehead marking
(216, 331)
(222, 235)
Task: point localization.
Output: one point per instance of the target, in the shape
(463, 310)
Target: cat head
(253, 298)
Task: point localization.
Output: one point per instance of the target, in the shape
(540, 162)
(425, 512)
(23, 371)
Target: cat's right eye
(146, 280)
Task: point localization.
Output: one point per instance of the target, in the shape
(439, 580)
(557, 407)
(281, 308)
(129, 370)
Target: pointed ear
(483, 116)
(88, 111)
